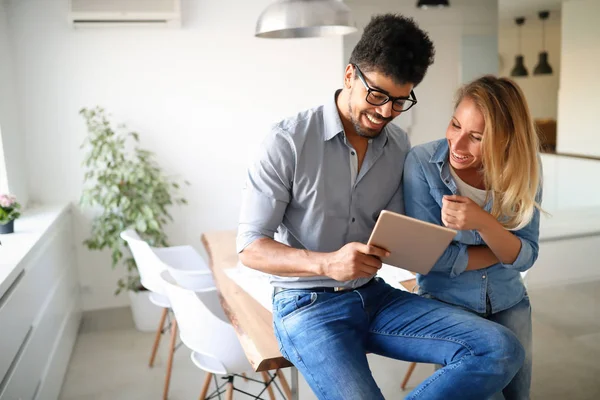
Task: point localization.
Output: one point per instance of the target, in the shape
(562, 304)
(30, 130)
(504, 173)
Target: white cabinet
(40, 314)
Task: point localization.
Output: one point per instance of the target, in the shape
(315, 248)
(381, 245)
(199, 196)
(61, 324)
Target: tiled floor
(110, 357)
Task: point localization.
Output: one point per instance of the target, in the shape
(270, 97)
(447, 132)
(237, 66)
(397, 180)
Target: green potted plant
(128, 189)
(9, 211)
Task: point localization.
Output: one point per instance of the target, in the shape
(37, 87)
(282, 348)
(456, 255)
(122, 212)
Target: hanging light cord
(520, 21)
(544, 35)
(544, 16)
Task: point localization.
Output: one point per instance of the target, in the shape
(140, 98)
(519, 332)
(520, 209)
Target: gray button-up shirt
(303, 190)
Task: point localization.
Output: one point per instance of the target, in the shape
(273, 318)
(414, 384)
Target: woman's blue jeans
(518, 320)
(327, 335)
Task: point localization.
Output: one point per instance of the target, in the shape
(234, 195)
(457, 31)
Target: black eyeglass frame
(412, 99)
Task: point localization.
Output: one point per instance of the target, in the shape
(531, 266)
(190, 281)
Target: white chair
(150, 262)
(215, 346)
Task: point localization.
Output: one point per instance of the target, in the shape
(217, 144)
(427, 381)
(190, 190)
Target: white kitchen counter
(29, 228)
(570, 223)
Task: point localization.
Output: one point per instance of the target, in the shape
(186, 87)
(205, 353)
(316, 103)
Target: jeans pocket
(292, 305)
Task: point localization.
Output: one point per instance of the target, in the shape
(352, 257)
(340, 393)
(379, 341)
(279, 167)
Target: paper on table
(257, 284)
(393, 276)
(253, 282)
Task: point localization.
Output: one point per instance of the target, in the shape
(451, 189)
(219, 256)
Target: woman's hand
(462, 213)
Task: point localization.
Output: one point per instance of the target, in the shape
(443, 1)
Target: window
(3, 175)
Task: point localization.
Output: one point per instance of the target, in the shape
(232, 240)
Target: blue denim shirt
(427, 179)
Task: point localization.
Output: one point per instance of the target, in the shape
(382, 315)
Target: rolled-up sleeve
(267, 189)
(453, 260)
(420, 204)
(529, 237)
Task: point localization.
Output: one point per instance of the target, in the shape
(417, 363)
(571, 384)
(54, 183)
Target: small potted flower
(9, 211)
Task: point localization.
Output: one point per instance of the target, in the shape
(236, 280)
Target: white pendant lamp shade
(286, 19)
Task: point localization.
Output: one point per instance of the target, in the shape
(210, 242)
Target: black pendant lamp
(519, 68)
(543, 68)
(424, 4)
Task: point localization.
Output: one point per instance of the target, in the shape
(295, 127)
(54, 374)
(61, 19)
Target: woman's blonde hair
(510, 149)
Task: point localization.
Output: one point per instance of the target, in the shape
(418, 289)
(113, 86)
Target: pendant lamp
(519, 68)
(285, 19)
(432, 3)
(543, 68)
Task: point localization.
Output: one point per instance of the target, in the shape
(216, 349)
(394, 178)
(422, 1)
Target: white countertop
(570, 223)
(29, 228)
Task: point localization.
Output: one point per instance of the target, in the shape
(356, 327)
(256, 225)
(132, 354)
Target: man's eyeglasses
(378, 98)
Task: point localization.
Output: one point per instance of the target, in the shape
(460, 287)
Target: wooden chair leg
(284, 384)
(170, 361)
(229, 392)
(411, 368)
(244, 377)
(158, 335)
(205, 386)
(266, 378)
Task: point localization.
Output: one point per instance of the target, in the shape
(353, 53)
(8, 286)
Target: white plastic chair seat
(159, 300)
(186, 266)
(181, 257)
(208, 364)
(202, 328)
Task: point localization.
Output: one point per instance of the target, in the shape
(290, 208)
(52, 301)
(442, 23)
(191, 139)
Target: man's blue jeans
(327, 335)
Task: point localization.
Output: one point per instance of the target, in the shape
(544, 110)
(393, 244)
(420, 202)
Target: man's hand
(354, 260)
(462, 213)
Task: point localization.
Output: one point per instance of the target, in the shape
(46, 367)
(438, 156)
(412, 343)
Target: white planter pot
(146, 315)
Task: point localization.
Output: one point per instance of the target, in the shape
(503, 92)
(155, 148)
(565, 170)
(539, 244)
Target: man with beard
(318, 185)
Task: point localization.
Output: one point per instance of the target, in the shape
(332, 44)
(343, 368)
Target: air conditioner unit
(106, 13)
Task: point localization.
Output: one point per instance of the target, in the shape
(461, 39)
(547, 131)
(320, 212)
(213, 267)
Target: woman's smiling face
(464, 135)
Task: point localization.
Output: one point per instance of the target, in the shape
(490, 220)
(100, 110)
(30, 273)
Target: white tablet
(414, 245)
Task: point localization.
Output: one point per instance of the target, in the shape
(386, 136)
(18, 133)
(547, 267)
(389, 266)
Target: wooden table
(253, 323)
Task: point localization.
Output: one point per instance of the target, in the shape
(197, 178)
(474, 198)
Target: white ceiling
(510, 9)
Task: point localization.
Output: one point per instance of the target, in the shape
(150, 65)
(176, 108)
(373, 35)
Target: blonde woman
(483, 180)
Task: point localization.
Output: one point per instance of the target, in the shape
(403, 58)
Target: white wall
(579, 98)
(449, 29)
(202, 97)
(541, 90)
(13, 173)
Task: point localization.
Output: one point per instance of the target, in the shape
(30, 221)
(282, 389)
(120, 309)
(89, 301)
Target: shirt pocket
(464, 237)
(438, 193)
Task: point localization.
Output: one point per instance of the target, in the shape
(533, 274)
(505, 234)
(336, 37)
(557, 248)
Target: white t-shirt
(464, 189)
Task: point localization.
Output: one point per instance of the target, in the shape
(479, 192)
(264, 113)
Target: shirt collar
(380, 141)
(331, 118)
(334, 126)
(440, 155)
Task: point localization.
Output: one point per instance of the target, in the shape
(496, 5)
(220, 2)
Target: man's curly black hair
(395, 46)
